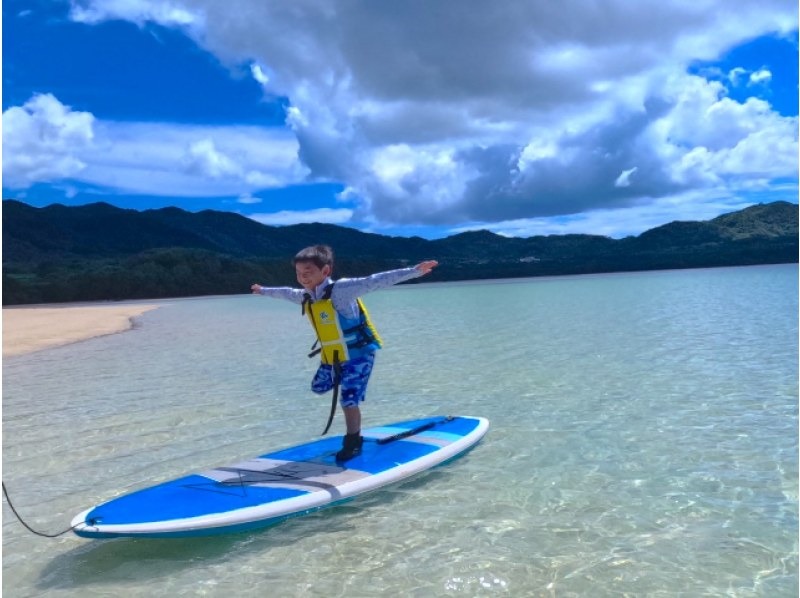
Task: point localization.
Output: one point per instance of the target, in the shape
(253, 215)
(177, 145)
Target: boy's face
(310, 276)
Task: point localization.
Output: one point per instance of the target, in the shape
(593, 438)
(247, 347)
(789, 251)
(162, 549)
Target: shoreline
(29, 329)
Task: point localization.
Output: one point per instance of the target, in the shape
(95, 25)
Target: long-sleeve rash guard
(345, 290)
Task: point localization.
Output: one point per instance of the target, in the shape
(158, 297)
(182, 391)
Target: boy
(343, 328)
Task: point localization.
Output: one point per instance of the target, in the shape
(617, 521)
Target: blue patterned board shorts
(355, 376)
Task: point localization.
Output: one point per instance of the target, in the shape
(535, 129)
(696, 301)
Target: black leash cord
(337, 381)
(28, 527)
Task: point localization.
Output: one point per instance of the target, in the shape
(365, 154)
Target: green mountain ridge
(100, 252)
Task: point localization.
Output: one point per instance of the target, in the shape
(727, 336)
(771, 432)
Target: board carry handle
(407, 433)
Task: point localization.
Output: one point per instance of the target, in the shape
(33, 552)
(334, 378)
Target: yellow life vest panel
(341, 339)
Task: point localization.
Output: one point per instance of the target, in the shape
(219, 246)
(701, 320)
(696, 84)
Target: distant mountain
(98, 252)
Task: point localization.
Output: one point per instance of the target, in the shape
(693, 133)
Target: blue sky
(429, 120)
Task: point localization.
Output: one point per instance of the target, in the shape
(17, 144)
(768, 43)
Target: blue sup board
(273, 487)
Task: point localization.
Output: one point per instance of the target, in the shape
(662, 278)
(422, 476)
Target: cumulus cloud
(444, 113)
(712, 137)
(43, 140)
(739, 76)
(760, 77)
(193, 160)
(479, 111)
(202, 158)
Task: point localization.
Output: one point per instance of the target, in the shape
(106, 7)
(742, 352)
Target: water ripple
(643, 442)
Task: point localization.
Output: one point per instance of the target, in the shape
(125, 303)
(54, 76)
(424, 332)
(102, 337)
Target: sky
(422, 117)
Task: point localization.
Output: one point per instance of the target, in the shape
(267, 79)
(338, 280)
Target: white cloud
(259, 74)
(760, 77)
(322, 215)
(404, 174)
(202, 158)
(624, 179)
(43, 140)
(715, 140)
(248, 199)
(520, 111)
(191, 160)
(737, 75)
(139, 11)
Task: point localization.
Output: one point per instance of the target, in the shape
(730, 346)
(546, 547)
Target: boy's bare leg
(352, 419)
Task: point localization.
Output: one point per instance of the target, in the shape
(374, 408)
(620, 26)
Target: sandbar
(28, 329)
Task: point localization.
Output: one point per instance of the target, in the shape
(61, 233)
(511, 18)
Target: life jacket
(340, 338)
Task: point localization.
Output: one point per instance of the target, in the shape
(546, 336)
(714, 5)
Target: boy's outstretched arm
(347, 290)
(287, 293)
(426, 267)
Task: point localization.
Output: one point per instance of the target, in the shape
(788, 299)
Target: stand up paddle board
(273, 487)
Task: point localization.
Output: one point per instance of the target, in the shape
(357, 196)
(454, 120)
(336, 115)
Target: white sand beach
(28, 329)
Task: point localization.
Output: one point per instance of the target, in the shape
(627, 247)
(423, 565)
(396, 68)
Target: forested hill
(98, 252)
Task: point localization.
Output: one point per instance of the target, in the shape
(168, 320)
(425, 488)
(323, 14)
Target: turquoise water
(643, 442)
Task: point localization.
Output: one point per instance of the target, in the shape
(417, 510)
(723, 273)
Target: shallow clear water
(643, 442)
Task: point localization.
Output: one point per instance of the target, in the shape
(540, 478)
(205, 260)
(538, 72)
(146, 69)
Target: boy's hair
(320, 255)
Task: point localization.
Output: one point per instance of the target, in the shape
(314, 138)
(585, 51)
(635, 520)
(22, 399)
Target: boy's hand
(256, 288)
(426, 267)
